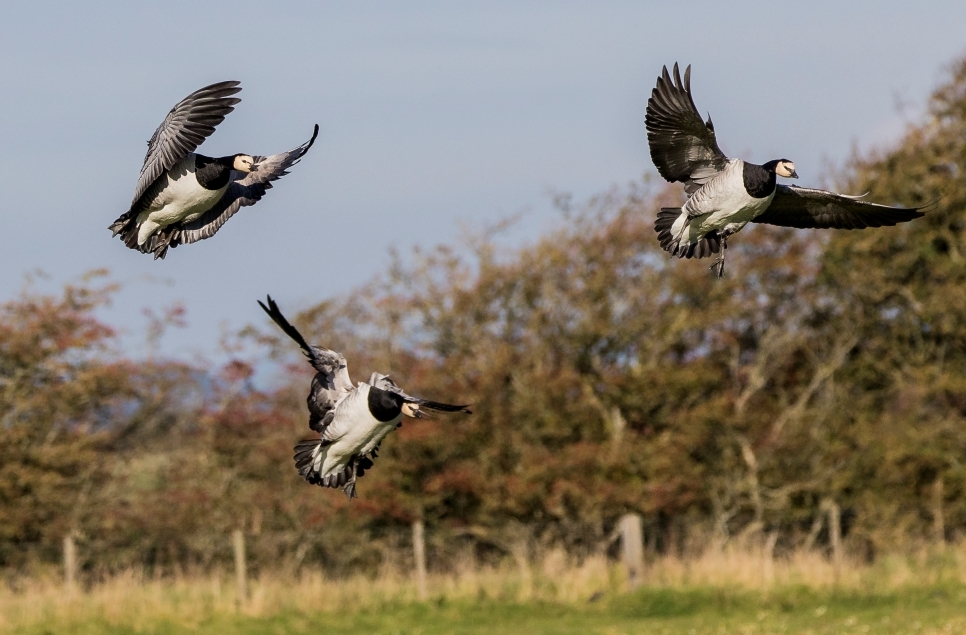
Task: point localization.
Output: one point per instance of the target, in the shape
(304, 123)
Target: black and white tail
(704, 248)
(127, 227)
(309, 456)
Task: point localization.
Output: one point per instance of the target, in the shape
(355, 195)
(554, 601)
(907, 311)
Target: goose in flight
(351, 421)
(726, 194)
(182, 197)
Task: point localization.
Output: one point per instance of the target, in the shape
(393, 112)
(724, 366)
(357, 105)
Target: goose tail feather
(671, 242)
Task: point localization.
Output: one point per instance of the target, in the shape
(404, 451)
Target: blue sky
(434, 116)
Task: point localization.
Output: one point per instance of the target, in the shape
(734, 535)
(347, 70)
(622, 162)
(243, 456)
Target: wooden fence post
(835, 536)
(521, 553)
(813, 532)
(632, 541)
(241, 570)
(618, 424)
(70, 563)
(419, 554)
(768, 557)
(938, 520)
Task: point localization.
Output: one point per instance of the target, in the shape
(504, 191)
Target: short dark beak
(793, 175)
(254, 166)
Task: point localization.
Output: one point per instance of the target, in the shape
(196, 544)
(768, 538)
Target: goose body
(183, 193)
(183, 197)
(724, 204)
(726, 194)
(360, 423)
(351, 421)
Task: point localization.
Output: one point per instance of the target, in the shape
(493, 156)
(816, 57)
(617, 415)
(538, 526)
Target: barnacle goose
(351, 422)
(182, 197)
(726, 194)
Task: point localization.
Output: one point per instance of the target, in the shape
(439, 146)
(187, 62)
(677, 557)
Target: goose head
(784, 167)
(243, 163)
(412, 410)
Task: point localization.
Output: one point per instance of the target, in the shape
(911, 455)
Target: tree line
(826, 369)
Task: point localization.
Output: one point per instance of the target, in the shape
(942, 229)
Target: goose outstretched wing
(331, 382)
(384, 382)
(330, 364)
(810, 208)
(243, 190)
(683, 147)
(189, 123)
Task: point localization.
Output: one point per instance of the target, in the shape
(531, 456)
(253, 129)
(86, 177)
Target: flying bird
(726, 194)
(183, 197)
(351, 421)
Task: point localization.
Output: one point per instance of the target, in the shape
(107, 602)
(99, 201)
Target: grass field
(736, 593)
(671, 611)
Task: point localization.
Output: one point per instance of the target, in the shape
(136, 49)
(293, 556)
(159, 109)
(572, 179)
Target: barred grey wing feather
(384, 382)
(332, 366)
(190, 122)
(808, 208)
(327, 392)
(331, 382)
(683, 147)
(239, 194)
(701, 176)
(244, 190)
(321, 411)
(707, 198)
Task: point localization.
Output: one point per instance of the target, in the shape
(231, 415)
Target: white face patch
(243, 163)
(785, 169)
(409, 409)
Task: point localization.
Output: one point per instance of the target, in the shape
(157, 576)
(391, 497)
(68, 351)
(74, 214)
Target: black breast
(384, 405)
(759, 182)
(212, 174)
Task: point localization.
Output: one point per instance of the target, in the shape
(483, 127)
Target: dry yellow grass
(137, 602)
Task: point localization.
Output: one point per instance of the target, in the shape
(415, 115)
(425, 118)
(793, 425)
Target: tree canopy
(605, 377)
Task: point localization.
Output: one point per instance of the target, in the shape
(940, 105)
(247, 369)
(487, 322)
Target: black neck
(759, 179)
(213, 173)
(384, 405)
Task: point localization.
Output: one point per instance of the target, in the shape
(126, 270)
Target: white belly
(354, 431)
(722, 204)
(729, 219)
(183, 199)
